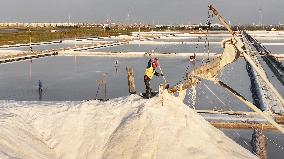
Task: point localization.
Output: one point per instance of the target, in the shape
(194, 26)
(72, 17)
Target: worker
(39, 87)
(149, 73)
(116, 66)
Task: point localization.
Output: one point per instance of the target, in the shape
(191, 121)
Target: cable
(213, 93)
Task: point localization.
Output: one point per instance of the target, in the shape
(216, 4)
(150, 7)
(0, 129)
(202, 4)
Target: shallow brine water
(75, 78)
(243, 137)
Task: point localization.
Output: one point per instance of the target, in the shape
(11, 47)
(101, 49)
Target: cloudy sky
(146, 11)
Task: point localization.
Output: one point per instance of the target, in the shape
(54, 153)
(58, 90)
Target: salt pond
(75, 79)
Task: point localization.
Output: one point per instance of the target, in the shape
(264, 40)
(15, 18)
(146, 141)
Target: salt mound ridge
(122, 128)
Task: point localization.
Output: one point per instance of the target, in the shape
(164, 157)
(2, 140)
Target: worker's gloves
(159, 74)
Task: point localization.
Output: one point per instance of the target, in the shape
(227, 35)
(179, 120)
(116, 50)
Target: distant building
(38, 24)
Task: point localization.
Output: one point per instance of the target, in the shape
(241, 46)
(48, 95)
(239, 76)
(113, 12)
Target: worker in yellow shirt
(149, 73)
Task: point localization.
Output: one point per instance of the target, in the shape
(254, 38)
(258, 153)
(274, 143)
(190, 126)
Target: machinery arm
(222, 20)
(238, 44)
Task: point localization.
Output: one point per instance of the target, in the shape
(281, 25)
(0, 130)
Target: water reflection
(244, 138)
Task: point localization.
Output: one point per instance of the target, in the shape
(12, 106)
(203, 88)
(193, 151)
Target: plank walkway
(239, 119)
(25, 56)
(37, 54)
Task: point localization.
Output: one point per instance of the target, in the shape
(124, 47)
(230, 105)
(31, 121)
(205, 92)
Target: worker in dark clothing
(116, 66)
(149, 73)
(40, 87)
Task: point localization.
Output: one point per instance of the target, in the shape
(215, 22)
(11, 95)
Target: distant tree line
(39, 34)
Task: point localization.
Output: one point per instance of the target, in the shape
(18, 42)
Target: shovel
(166, 84)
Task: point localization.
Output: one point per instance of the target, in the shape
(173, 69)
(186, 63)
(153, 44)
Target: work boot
(148, 95)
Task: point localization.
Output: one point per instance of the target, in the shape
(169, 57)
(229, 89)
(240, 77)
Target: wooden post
(161, 93)
(30, 77)
(102, 83)
(131, 80)
(259, 145)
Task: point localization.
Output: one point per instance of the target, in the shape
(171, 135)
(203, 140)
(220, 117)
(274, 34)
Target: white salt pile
(122, 128)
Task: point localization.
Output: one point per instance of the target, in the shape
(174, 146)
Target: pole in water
(102, 87)
(131, 80)
(30, 69)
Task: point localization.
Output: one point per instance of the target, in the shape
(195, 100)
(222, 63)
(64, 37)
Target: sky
(144, 11)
